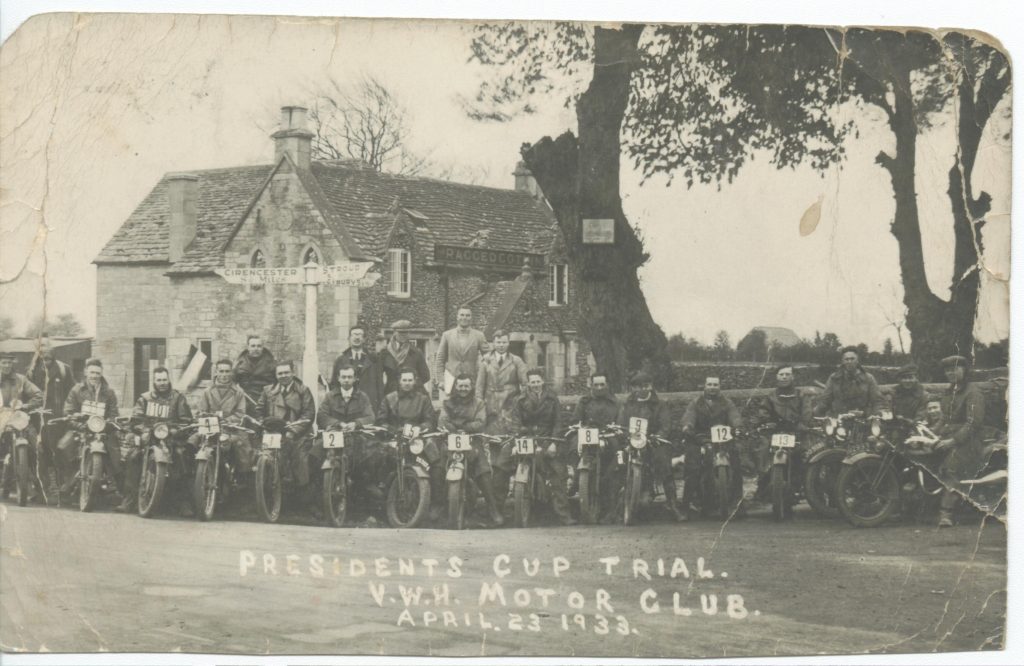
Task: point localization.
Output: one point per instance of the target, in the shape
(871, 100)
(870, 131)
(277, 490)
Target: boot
(50, 490)
(437, 491)
(486, 485)
(671, 502)
(945, 518)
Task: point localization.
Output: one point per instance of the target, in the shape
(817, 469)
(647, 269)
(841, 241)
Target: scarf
(398, 351)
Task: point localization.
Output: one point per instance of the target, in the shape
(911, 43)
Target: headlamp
(876, 427)
(96, 424)
(637, 441)
(161, 431)
(416, 446)
(18, 421)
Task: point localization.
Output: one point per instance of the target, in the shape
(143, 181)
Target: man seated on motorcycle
(706, 411)
(346, 408)
(850, 389)
(162, 404)
(933, 415)
(17, 392)
(599, 409)
(535, 413)
(463, 412)
(643, 402)
(411, 405)
(790, 412)
(93, 389)
(908, 398)
(226, 398)
(290, 400)
(962, 443)
(56, 380)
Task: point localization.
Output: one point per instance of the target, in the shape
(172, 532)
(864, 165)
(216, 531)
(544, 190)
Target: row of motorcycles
(863, 468)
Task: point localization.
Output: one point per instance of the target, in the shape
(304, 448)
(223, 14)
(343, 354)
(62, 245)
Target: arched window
(310, 255)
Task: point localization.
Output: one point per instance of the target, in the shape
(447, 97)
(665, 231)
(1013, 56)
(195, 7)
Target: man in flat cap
(963, 411)
(401, 355)
(849, 389)
(908, 398)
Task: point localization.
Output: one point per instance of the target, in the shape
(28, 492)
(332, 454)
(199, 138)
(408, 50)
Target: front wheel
(820, 483)
(456, 505)
(522, 503)
(780, 492)
(723, 491)
(268, 488)
(408, 501)
(151, 485)
(868, 492)
(335, 494)
(631, 496)
(87, 487)
(22, 474)
(588, 497)
(204, 489)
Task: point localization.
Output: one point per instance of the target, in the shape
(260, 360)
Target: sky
(96, 108)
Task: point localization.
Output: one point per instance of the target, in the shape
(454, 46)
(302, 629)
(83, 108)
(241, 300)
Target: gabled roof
(778, 335)
(358, 203)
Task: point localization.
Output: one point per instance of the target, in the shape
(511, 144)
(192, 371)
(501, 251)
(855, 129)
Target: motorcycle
(835, 437)
(784, 486)
(167, 459)
(269, 485)
(408, 496)
(337, 469)
(95, 472)
(590, 443)
(16, 452)
(214, 471)
(526, 491)
(462, 490)
(717, 476)
(987, 492)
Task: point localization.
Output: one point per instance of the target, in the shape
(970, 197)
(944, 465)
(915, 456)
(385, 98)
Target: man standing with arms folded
(459, 352)
(254, 371)
(501, 377)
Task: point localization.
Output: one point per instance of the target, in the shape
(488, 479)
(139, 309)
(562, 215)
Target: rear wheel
(522, 504)
(631, 495)
(820, 483)
(406, 505)
(780, 492)
(456, 505)
(151, 485)
(722, 492)
(868, 492)
(204, 489)
(335, 494)
(268, 488)
(22, 474)
(588, 497)
(86, 488)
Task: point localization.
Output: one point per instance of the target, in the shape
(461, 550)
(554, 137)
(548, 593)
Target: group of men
(484, 389)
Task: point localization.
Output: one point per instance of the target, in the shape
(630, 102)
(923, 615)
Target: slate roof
(359, 204)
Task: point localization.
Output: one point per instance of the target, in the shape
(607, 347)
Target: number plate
(782, 441)
(638, 426)
(459, 443)
(334, 439)
(588, 437)
(409, 431)
(93, 408)
(209, 425)
(524, 446)
(886, 415)
(156, 410)
(721, 434)
(271, 440)
(620, 456)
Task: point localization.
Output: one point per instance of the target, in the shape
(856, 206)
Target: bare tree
(364, 121)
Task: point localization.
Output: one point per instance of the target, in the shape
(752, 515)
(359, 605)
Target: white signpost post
(351, 274)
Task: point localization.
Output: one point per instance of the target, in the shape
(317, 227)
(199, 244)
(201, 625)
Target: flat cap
(954, 361)
(640, 378)
(401, 325)
(909, 370)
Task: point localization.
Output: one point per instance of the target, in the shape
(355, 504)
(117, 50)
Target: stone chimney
(525, 182)
(293, 137)
(182, 195)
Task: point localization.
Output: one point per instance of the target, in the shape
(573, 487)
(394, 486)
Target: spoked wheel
(335, 494)
(407, 502)
(22, 474)
(820, 483)
(86, 488)
(204, 489)
(722, 492)
(151, 485)
(588, 497)
(631, 495)
(456, 505)
(780, 492)
(268, 488)
(522, 505)
(868, 492)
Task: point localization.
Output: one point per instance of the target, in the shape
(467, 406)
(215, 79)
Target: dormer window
(399, 273)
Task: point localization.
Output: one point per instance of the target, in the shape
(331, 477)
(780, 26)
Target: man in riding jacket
(94, 389)
(962, 443)
(162, 404)
(790, 412)
(536, 414)
(55, 379)
(347, 408)
(643, 402)
(369, 373)
(706, 411)
(18, 392)
(599, 409)
(227, 398)
(463, 412)
(254, 371)
(290, 400)
(850, 389)
(908, 398)
(411, 405)
(400, 355)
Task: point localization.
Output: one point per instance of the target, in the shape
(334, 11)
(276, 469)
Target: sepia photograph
(452, 336)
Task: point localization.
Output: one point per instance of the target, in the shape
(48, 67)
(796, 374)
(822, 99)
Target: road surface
(102, 581)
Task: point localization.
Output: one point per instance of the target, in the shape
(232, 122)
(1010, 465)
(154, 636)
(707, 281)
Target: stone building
(438, 245)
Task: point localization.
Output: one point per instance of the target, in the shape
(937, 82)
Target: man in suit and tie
(459, 351)
(501, 377)
(369, 373)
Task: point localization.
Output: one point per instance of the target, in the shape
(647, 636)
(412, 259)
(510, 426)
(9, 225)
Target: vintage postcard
(339, 336)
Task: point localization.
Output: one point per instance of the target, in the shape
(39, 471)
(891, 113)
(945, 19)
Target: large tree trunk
(581, 180)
